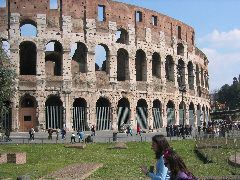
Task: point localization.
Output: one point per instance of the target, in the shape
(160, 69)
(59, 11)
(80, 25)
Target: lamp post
(182, 89)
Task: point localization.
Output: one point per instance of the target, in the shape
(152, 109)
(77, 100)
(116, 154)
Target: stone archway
(27, 113)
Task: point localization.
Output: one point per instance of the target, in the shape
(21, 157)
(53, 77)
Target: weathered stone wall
(77, 21)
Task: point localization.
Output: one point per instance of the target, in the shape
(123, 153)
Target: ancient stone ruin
(148, 72)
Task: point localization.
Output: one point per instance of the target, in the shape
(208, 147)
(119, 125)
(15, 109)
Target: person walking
(138, 129)
(73, 138)
(7, 133)
(93, 130)
(176, 166)
(80, 136)
(159, 145)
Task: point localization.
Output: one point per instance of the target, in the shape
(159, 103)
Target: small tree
(7, 76)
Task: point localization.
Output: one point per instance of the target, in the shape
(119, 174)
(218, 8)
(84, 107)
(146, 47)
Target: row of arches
(55, 113)
(79, 52)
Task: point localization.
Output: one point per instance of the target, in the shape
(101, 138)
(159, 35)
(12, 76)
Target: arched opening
(54, 113)
(190, 75)
(122, 36)
(181, 73)
(28, 58)
(156, 65)
(80, 115)
(170, 113)
(123, 113)
(179, 30)
(102, 58)
(6, 116)
(182, 113)
(141, 66)
(191, 114)
(157, 114)
(79, 58)
(199, 115)
(180, 49)
(28, 28)
(122, 65)
(6, 47)
(197, 75)
(204, 116)
(169, 68)
(142, 114)
(53, 58)
(103, 112)
(27, 113)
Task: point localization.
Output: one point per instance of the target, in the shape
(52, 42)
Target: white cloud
(222, 67)
(221, 39)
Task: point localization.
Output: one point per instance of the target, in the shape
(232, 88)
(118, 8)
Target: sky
(217, 32)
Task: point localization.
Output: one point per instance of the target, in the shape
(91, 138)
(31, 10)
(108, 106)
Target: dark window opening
(27, 118)
(53, 58)
(27, 102)
(101, 13)
(141, 66)
(190, 76)
(181, 73)
(193, 39)
(28, 58)
(122, 36)
(79, 58)
(179, 32)
(169, 68)
(180, 49)
(154, 20)
(122, 65)
(156, 65)
(138, 16)
(53, 4)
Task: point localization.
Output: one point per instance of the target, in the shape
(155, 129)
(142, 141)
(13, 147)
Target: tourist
(93, 130)
(138, 129)
(159, 145)
(50, 132)
(63, 132)
(80, 136)
(73, 138)
(176, 166)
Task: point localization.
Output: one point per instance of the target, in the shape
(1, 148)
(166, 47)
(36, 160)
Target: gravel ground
(74, 171)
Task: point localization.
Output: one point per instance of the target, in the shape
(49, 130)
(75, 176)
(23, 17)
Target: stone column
(164, 114)
(150, 115)
(91, 64)
(41, 111)
(113, 67)
(187, 114)
(114, 117)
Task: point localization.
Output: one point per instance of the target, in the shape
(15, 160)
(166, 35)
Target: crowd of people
(179, 130)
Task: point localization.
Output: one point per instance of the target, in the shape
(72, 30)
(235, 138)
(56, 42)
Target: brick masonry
(80, 24)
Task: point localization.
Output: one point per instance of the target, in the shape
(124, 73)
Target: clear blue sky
(217, 28)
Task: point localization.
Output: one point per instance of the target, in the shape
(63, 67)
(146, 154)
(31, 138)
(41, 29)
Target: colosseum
(104, 63)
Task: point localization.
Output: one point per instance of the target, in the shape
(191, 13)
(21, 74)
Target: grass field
(44, 158)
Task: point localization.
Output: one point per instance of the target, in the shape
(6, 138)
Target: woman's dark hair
(162, 145)
(176, 164)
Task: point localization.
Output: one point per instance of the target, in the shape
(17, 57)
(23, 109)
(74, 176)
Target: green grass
(42, 159)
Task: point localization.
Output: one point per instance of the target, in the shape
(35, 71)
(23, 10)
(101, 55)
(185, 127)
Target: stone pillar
(150, 115)
(114, 117)
(133, 118)
(177, 113)
(15, 114)
(91, 64)
(113, 67)
(164, 114)
(41, 111)
(67, 108)
(41, 24)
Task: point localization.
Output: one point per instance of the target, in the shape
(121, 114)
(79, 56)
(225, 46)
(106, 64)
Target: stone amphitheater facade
(152, 69)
